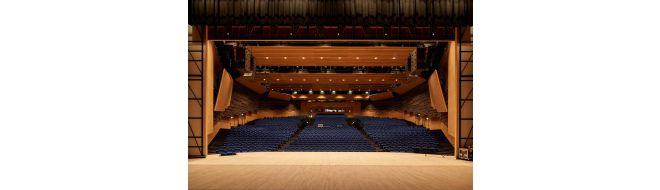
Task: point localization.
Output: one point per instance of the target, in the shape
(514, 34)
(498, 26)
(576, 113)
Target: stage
(329, 170)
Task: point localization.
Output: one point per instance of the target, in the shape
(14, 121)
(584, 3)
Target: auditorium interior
(315, 94)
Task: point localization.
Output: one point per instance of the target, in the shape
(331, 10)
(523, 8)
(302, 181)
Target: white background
(94, 94)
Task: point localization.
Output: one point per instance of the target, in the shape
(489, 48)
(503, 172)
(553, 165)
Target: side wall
(414, 106)
(247, 106)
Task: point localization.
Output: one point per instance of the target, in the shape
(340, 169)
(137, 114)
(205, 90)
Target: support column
(453, 95)
(209, 55)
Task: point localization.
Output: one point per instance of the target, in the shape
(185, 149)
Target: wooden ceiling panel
(330, 97)
(329, 56)
(331, 81)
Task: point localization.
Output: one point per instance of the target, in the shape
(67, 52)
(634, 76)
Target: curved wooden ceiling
(329, 56)
(332, 81)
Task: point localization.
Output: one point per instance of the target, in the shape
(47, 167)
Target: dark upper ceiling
(446, 13)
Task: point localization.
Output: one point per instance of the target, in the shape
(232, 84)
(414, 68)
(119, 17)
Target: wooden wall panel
(381, 96)
(243, 100)
(223, 100)
(252, 85)
(435, 93)
(279, 96)
(407, 86)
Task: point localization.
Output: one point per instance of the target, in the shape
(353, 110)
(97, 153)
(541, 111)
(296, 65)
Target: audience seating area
(335, 136)
(263, 135)
(398, 136)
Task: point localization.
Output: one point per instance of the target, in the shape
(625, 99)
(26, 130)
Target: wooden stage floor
(329, 170)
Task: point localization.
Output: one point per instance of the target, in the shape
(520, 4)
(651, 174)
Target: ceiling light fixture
(267, 57)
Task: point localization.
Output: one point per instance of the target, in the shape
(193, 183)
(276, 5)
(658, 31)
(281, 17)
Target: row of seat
(396, 135)
(335, 135)
(263, 135)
